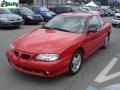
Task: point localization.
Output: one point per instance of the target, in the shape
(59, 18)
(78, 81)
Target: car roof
(84, 14)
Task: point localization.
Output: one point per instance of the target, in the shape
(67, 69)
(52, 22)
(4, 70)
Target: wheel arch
(82, 51)
(109, 35)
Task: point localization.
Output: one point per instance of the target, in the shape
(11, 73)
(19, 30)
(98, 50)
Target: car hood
(30, 14)
(117, 14)
(50, 12)
(10, 16)
(45, 41)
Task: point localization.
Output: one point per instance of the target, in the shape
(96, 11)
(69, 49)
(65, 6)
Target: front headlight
(12, 46)
(47, 57)
(30, 17)
(49, 15)
(21, 18)
(3, 19)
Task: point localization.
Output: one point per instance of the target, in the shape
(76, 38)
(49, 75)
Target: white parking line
(103, 77)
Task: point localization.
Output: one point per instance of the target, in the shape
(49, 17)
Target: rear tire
(76, 63)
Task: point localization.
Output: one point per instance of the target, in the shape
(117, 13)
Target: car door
(101, 32)
(92, 38)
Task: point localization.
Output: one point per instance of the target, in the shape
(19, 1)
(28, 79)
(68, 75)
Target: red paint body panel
(38, 68)
(53, 41)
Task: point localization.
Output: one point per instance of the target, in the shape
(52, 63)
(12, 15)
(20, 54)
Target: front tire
(106, 42)
(76, 63)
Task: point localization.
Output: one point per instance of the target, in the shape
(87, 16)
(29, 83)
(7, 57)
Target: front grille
(118, 16)
(16, 53)
(54, 15)
(18, 19)
(25, 56)
(29, 69)
(22, 55)
(12, 20)
(36, 17)
(17, 23)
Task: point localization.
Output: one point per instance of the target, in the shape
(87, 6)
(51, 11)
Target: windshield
(118, 10)
(25, 10)
(4, 11)
(93, 9)
(67, 23)
(63, 8)
(44, 9)
(110, 10)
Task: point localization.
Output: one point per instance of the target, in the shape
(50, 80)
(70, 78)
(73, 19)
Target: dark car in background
(44, 12)
(117, 10)
(29, 17)
(8, 19)
(62, 9)
(102, 13)
(108, 12)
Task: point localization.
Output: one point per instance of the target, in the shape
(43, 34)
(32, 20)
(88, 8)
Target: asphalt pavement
(100, 70)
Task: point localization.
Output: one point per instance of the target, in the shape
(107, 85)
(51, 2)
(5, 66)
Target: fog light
(46, 72)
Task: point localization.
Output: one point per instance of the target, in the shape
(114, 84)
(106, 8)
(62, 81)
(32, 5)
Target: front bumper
(38, 68)
(115, 22)
(11, 24)
(34, 21)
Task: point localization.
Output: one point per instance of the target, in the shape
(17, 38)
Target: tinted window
(86, 9)
(4, 11)
(35, 9)
(63, 9)
(44, 9)
(101, 21)
(17, 11)
(25, 10)
(94, 21)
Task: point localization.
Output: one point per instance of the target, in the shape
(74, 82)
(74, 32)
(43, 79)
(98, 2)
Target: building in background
(114, 3)
(26, 1)
(51, 2)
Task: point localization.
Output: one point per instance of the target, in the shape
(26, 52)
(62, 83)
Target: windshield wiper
(60, 29)
(45, 27)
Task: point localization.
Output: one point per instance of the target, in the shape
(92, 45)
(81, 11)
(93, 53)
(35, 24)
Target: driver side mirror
(92, 28)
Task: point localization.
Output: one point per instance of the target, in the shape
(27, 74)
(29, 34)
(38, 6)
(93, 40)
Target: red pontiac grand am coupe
(60, 46)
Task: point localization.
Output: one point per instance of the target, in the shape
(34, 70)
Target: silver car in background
(116, 20)
(8, 19)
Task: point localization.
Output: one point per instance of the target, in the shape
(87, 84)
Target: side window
(35, 9)
(101, 21)
(17, 11)
(94, 21)
(86, 9)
